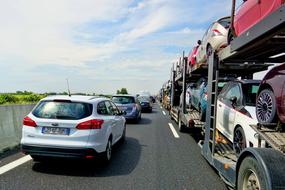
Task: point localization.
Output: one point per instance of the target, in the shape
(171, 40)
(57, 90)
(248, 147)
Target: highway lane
(151, 158)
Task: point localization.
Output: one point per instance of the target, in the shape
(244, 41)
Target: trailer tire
(251, 175)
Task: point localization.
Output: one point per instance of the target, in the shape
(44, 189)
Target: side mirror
(199, 42)
(233, 100)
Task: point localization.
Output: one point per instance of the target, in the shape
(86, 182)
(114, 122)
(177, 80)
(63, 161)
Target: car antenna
(69, 94)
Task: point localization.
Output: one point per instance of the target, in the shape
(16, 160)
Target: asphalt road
(151, 158)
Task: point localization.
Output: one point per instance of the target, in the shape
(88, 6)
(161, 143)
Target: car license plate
(55, 131)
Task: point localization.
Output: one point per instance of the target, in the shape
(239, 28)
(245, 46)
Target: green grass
(10, 98)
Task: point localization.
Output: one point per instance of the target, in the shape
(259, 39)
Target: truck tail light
(91, 124)
(27, 121)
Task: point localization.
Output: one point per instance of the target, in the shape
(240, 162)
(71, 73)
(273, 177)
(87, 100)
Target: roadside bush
(32, 98)
(8, 98)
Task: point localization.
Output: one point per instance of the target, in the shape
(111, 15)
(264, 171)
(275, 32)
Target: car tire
(251, 175)
(266, 107)
(107, 155)
(239, 142)
(209, 50)
(181, 126)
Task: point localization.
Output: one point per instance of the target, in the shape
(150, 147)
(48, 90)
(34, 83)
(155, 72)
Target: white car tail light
(27, 121)
(91, 124)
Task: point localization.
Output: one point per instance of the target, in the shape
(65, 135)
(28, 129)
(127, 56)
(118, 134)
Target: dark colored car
(270, 105)
(146, 103)
(130, 105)
(152, 99)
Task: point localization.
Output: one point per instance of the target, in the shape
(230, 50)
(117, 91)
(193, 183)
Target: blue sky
(99, 45)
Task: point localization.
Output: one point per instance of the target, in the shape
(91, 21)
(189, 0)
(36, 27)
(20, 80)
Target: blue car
(204, 97)
(130, 105)
(196, 91)
(199, 96)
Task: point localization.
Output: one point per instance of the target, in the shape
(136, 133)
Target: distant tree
(27, 92)
(19, 92)
(64, 93)
(122, 91)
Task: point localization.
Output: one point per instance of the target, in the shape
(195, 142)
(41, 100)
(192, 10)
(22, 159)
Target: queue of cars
(82, 127)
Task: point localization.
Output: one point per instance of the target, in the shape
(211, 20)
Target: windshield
(225, 22)
(62, 110)
(123, 99)
(250, 91)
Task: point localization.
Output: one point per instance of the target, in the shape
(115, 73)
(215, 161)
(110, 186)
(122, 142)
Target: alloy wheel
(264, 107)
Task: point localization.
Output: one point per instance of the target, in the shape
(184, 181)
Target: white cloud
(38, 33)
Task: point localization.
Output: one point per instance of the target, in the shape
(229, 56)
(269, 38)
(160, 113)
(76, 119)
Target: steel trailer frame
(250, 51)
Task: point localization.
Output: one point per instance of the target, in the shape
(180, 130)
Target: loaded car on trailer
(255, 167)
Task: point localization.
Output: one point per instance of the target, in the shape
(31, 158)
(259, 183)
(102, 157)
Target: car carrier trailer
(185, 117)
(253, 168)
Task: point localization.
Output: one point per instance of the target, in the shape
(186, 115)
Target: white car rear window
(62, 110)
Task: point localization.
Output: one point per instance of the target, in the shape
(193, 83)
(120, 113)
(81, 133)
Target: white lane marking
(163, 112)
(14, 164)
(175, 134)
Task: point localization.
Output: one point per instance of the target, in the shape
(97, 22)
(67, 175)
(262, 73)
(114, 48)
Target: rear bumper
(77, 153)
(133, 115)
(146, 108)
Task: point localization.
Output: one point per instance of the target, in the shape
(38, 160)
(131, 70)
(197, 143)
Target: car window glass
(234, 91)
(239, 4)
(224, 90)
(62, 110)
(250, 91)
(225, 22)
(115, 109)
(123, 99)
(109, 108)
(102, 109)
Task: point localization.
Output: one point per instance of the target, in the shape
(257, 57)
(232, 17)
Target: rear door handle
(220, 105)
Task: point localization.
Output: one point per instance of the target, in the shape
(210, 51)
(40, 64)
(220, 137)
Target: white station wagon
(72, 127)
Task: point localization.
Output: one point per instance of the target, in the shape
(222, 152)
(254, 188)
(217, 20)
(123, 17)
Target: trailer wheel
(266, 106)
(251, 175)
